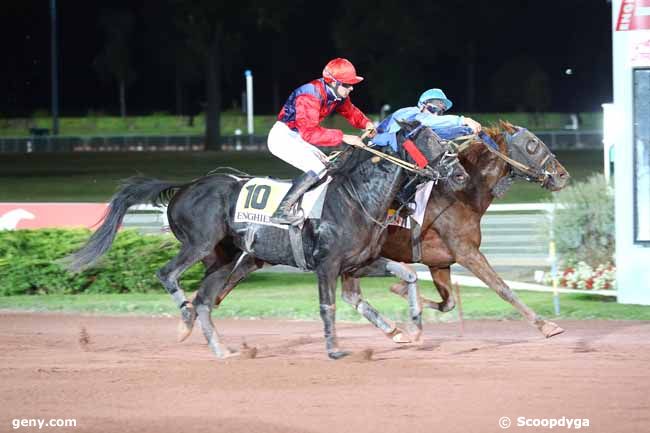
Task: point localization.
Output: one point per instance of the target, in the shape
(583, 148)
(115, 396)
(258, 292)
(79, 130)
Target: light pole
(55, 70)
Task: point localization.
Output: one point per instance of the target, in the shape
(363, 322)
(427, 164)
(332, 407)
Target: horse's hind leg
(171, 272)
(222, 254)
(442, 280)
(476, 262)
(216, 286)
(351, 293)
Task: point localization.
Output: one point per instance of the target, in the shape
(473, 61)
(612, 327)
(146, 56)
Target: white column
(249, 100)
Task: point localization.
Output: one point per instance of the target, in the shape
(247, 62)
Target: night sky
(400, 49)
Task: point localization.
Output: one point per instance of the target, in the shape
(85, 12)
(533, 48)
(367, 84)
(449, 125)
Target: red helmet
(341, 70)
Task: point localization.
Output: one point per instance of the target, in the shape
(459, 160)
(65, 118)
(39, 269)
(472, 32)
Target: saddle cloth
(261, 196)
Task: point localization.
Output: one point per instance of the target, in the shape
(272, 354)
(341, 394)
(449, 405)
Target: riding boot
(285, 213)
(404, 197)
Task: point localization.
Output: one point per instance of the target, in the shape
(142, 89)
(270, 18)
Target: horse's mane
(348, 163)
(478, 150)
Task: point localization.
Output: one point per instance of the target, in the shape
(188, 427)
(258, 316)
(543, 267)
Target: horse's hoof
(188, 316)
(337, 354)
(399, 336)
(550, 329)
(183, 331)
(415, 332)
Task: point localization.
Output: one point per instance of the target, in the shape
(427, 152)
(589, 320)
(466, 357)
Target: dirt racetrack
(127, 374)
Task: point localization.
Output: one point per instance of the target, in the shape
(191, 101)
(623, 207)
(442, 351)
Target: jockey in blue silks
(430, 110)
(430, 113)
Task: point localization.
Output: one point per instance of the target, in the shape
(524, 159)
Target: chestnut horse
(451, 230)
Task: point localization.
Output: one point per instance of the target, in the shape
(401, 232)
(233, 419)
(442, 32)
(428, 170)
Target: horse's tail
(134, 190)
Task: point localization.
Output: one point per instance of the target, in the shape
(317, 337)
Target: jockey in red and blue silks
(297, 132)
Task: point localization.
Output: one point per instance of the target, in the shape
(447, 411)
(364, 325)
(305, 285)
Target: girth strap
(416, 243)
(295, 238)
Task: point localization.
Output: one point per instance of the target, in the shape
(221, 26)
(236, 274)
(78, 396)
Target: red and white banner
(40, 215)
(633, 15)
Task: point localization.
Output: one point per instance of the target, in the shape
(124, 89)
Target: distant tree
(521, 84)
(272, 23)
(113, 63)
(394, 51)
(212, 30)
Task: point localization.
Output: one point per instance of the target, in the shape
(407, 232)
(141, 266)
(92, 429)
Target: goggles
(435, 107)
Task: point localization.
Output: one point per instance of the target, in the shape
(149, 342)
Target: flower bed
(584, 277)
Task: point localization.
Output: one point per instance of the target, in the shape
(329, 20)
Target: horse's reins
(413, 168)
(529, 173)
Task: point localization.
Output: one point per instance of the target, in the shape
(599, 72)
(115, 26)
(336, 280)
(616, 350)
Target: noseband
(540, 174)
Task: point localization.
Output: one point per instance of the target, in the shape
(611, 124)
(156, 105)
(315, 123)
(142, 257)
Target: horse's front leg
(351, 293)
(442, 281)
(411, 291)
(476, 262)
(410, 277)
(327, 275)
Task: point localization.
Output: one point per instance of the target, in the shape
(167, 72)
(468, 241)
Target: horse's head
(538, 163)
(440, 158)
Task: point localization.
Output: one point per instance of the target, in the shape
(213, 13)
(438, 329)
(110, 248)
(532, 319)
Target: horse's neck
(377, 186)
(479, 195)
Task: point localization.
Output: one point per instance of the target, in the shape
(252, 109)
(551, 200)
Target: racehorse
(347, 237)
(451, 229)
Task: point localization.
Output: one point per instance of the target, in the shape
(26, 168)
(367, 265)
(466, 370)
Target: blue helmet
(435, 94)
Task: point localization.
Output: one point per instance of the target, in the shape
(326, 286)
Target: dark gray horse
(349, 234)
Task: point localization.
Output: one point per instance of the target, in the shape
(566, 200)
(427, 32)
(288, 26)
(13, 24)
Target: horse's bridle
(522, 170)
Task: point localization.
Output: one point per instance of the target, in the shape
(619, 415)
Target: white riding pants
(289, 146)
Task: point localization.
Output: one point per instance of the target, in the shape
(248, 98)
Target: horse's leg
(410, 277)
(216, 286)
(171, 272)
(442, 281)
(476, 262)
(384, 266)
(327, 275)
(212, 262)
(351, 293)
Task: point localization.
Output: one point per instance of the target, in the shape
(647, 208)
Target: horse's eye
(532, 146)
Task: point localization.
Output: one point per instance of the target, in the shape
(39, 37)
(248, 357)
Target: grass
(166, 124)
(94, 177)
(294, 296)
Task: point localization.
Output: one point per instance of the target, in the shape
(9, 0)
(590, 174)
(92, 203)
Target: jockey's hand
(473, 124)
(370, 131)
(353, 140)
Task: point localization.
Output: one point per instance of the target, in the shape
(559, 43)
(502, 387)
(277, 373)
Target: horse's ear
(507, 126)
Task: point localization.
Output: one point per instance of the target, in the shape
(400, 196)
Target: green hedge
(28, 263)
(583, 225)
